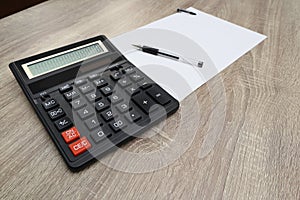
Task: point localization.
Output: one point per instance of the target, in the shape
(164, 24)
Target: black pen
(186, 11)
(157, 52)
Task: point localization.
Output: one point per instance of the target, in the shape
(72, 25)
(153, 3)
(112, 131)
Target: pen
(157, 52)
(186, 11)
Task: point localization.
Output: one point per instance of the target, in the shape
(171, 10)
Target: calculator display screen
(60, 60)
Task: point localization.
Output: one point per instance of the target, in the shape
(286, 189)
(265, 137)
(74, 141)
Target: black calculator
(90, 98)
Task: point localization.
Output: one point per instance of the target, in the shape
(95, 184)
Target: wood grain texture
(257, 155)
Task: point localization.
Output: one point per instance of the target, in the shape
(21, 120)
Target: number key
(101, 134)
(108, 115)
(118, 125)
(107, 90)
(101, 105)
(94, 96)
(85, 112)
(115, 99)
(78, 103)
(92, 123)
(123, 107)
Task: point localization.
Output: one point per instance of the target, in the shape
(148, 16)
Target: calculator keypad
(102, 107)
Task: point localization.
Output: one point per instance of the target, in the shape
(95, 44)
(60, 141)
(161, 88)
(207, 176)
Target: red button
(70, 135)
(80, 146)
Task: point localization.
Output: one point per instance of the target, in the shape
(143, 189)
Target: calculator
(90, 98)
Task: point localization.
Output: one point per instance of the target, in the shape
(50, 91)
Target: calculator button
(92, 123)
(71, 95)
(136, 77)
(80, 82)
(158, 95)
(100, 83)
(63, 123)
(70, 135)
(78, 103)
(85, 112)
(108, 115)
(124, 82)
(101, 134)
(116, 75)
(50, 103)
(65, 88)
(93, 76)
(133, 116)
(56, 113)
(118, 125)
(128, 70)
(107, 90)
(80, 146)
(144, 102)
(112, 68)
(94, 96)
(44, 95)
(86, 88)
(144, 84)
(101, 105)
(123, 107)
(115, 99)
(132, 90)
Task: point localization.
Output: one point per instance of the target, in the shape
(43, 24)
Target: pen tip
(137, 46)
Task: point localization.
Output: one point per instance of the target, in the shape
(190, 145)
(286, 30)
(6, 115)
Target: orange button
(70, 135)
(80, 146)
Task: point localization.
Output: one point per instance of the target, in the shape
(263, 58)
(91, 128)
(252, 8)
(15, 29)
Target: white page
(202, 37)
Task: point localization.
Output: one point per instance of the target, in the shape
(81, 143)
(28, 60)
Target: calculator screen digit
(57, 61)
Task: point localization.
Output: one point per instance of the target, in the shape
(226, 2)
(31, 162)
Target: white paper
(200, 37)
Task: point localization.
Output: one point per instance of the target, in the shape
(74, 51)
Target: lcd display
(57, 61)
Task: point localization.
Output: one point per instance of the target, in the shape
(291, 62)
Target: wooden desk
(257, 154)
